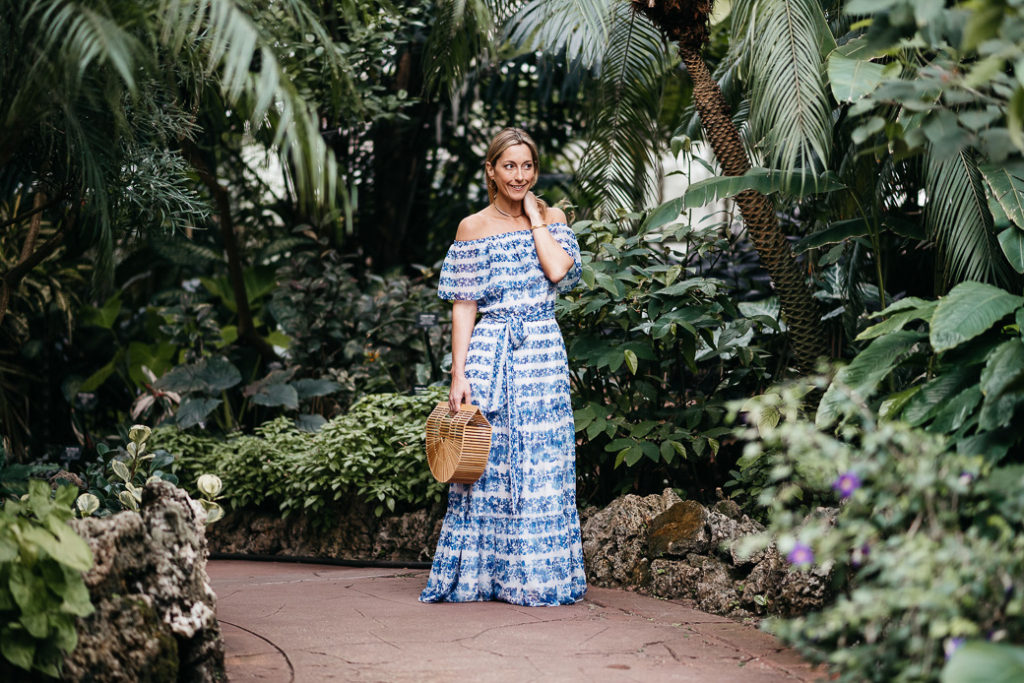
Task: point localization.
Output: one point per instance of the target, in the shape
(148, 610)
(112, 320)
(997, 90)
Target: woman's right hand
(458, 394)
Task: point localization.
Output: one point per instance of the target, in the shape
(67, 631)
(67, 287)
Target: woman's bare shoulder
(472, 227)
(555, 215)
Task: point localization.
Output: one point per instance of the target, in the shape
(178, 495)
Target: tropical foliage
(225, 216)
(959, 377)
(655, 348)
(373, 454)
(925, 546)
(41, 586)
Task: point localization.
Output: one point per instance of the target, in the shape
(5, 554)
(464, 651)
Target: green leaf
(105, 316)
(209, 375)
(308, 388)
(840, 231)
(665, 213)
(65, 637)
(954, 414)
(958, 218)
(120, 469)
(981, 662)
(278, 338)
(852, 79)
(668, 451)
(1002, 384)
(631, 361)
(277, 395)
(934, 394)
(73, 550)
(784, 47)
(898, 319)
(76, 596)
(128, 500)
(968, 310)
(890, 408)
(36, 623)
(28, 589)
(763, 180)
(19, 649)
(1006, 182)
(193, 411)
(311, 423)
(96, 379)
(864, 373)
(1011, 241)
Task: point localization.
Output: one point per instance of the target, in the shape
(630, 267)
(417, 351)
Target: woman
(514, 535)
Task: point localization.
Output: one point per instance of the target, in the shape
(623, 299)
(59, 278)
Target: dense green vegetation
(41, 586)
(222, 218)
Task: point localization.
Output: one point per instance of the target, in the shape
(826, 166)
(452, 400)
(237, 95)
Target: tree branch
(12, 278)
(246, 328)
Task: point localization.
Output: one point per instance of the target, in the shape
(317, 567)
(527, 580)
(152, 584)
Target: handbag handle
(448, 419)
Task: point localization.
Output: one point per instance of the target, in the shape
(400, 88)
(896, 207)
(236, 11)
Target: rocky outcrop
(615, 539)
(683, 550)
(356, 534)
(155, 611)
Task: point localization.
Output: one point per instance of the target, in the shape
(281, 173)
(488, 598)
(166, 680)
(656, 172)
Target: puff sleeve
(567, 238)
(465, 273)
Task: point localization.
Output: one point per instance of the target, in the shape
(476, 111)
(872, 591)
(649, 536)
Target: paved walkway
(304, 622)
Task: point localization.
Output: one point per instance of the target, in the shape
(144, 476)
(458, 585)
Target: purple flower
(846, 484)
(860, 555)
(952, 645)
(801, 554)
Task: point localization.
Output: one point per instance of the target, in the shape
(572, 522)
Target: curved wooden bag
(458, 444)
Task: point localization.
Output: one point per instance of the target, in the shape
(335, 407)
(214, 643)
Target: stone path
(304, 622)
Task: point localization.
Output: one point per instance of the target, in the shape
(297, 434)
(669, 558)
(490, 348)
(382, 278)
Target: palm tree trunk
(799, 309)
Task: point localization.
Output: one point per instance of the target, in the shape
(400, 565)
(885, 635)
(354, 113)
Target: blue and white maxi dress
(514, 535)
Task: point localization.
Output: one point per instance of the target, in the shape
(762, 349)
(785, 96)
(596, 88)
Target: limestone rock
(679, 530)
(700, 579)
(682, 550)
(155, 611)
(615, 539)
(357, 534)
(412, 536)
(798, 592)
(689, 527)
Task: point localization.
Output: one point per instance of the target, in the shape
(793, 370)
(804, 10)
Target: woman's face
(513, 172)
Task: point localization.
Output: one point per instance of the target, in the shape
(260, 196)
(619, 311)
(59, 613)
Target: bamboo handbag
(458, 444)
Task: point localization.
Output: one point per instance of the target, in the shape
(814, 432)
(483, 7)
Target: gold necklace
(506, 214)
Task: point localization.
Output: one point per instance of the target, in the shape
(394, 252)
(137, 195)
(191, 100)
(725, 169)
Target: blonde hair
(510, 137)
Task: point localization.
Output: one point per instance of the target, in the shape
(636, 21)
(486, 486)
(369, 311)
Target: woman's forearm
(553, 260)
(463, 320)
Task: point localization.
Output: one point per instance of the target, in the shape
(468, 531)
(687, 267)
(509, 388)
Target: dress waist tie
(503, 385)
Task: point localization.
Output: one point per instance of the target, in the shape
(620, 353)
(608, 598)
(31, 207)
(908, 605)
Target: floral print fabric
(514, 535)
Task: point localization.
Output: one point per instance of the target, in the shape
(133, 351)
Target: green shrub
(927, 546)
(954, 366)
(117, 484)
(376, 452)
(362, 330)
(41, 585)
(656, 347)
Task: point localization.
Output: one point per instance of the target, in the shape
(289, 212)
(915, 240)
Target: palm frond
(225, 35)
(624, 141)
(83, 39)
(580, 28)
(956, 216)
(783, 44)
(465, 35)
